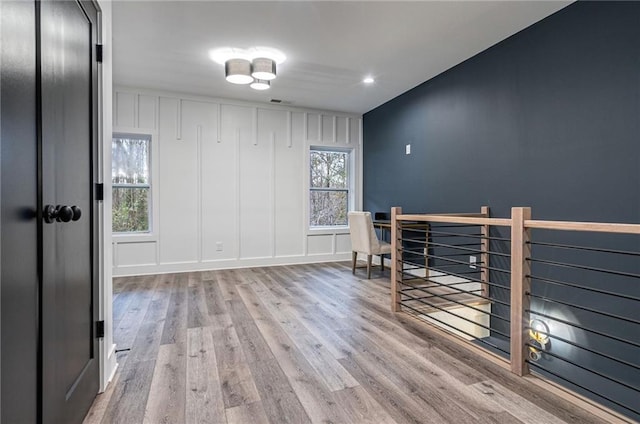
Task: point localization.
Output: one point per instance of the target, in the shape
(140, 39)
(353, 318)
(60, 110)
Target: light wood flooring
(298, 344)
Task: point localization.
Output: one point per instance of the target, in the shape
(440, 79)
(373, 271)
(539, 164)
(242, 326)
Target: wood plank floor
(298, 344)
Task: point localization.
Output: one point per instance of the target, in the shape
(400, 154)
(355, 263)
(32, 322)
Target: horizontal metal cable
(455, 315)
(460, 290)
(462, 247)
(453, 261)
(448, 265)
(590, 330)
(434, 267)
(436, 225)
(584, 308)
(577, 286)
(442, 296)
(431, 243)
(446, 233)
(424, 289)
(417, 241)
(461, 331)
(432, 232)
(414, 230)
(581, 386)
(426, 280)
(453, 255)
(587, 248)
(476, 264)
(587, 268)
(596, 352)
(453, 274)
(598, 373)
(420, 252)
(465, 276)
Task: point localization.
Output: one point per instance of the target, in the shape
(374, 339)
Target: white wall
(231, 182)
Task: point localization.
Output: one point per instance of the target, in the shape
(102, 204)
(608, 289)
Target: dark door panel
(69, 349)
(19, 227)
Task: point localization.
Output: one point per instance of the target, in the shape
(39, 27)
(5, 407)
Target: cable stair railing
(557, 300)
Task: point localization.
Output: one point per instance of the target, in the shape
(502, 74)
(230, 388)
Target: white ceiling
(330, 46)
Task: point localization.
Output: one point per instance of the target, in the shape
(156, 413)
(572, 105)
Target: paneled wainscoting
(298, 344)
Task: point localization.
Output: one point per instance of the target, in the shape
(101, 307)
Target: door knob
(64, 213)
(77, 213)
(57, 213)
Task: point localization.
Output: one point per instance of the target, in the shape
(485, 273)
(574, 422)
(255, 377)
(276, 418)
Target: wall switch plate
(219, 246)
(407, 149)
(472, 261)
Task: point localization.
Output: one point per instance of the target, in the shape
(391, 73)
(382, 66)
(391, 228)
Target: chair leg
(354, 256)
(369, 267)
(382, 263)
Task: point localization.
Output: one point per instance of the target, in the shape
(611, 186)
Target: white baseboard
(227, 264)
(110, 368)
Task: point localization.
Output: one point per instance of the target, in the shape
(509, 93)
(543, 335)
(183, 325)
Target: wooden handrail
(601, 227)
(481, 219)
(457, 219)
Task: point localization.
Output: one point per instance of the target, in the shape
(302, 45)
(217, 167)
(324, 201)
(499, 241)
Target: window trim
(350, 190)
(152, 233)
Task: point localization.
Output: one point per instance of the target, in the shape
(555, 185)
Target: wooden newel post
(520, 285)
(396, 258)
(484, 256)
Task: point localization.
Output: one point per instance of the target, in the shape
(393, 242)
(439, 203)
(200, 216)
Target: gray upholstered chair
(364, 240)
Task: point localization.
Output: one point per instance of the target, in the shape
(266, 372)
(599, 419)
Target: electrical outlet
(472, 261)
(219, 246)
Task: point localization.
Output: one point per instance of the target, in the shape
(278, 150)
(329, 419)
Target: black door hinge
(99, 53)
(99, 329)
(99, 191)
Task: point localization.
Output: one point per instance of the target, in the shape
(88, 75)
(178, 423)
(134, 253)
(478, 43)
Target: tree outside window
(329, 188)
(131, 183)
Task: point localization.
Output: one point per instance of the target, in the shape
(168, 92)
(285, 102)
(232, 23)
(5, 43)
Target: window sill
(338, 229)
(133, 237)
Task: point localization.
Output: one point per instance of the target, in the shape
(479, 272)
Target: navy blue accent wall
(549, 118)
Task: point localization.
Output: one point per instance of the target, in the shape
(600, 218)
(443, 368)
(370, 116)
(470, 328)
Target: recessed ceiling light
(368, 80)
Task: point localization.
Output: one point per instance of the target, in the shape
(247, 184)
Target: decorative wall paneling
(231, 183)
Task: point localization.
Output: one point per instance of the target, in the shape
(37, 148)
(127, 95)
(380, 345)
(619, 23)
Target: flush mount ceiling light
(259, 84)
(238, 71)
(368, 80)
(263, 69)
(255, 66)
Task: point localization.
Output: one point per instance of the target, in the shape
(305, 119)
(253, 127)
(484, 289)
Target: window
(329, 188)
(131, 183)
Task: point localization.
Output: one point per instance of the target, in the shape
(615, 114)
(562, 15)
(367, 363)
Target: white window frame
(152, 233)
(351, 184)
